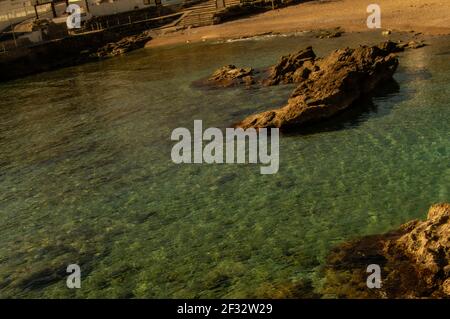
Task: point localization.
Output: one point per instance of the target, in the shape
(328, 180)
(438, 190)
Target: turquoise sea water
(86, 175)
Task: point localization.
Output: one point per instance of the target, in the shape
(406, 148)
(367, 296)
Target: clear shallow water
(86, 176)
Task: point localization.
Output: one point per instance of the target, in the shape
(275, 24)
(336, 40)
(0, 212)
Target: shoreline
(428, 18)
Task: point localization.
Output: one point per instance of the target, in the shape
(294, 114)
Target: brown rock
(231, 75)
(332, 86)
(394, 47)
(427, 245)
(292, 68)
(414, 261)
(446, 287)
(123, 46)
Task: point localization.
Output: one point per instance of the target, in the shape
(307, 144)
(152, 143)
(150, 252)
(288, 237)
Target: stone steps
(203, 13)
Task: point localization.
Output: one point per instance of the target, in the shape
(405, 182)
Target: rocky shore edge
(123, 46)
(414, 261)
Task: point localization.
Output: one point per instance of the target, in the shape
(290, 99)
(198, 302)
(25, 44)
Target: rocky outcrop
(124, 45)
(414, 261)
(326, 86)
(292, 68)
(427, 245)
(231, 75)
(394, 47)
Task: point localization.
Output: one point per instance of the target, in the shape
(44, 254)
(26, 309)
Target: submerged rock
(332, 85)
(414, 261)
(231, 75)
(394, 47)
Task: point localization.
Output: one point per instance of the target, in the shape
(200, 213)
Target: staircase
(229, 3)
(203, 14)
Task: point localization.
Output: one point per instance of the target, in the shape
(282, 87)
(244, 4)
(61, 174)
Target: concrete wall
(13, 11)
(171, 2)
(109, 7)
(19, 10)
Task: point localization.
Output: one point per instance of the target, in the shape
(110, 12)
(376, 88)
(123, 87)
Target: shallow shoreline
(428, 18)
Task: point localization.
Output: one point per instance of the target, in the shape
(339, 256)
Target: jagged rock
(427, 245)
(124, 45)
(231, 75)
(394, 47)
(292, 68)
(414, 261)
(336, 82)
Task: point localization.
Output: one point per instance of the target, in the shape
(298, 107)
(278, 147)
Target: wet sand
(430, 17)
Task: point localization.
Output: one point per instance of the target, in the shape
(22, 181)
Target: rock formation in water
(400, 46)
(326, 86)
(124, 45)
(231, 75)
(414, 261)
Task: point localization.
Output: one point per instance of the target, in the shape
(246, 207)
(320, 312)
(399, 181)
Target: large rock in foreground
(414, 261)
(326, 86)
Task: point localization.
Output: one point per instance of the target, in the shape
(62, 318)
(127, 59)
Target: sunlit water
(86, 175)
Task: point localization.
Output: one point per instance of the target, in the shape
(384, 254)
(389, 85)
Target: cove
(86, 175)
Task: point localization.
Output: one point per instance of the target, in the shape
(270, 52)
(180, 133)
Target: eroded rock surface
(292, 68)
(124, 45)
(327, 87)
(414, 261)
(230, 75)
(394, 47)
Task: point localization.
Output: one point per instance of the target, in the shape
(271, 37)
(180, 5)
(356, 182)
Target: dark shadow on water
(353, 116)
(443, 53)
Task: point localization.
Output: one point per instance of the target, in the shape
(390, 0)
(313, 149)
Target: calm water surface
(86, 175)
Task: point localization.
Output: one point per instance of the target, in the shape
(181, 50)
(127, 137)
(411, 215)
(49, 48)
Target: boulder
(292, 68)
(123, 46)
(332, 85)
(414, 261)
(427, 245)
(394, 47)
(231, 75)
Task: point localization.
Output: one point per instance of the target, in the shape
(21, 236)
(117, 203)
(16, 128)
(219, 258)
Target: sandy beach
(430, 17)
